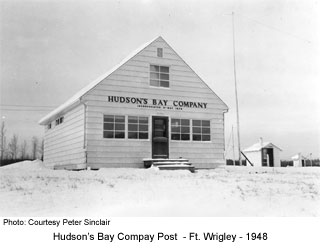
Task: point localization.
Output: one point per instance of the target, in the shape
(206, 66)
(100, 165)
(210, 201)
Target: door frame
(166, 118)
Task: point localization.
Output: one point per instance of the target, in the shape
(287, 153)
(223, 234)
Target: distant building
(151, 105)
(299, 160)
(263, 154)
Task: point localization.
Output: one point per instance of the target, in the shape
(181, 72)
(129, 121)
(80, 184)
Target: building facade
(152, 105)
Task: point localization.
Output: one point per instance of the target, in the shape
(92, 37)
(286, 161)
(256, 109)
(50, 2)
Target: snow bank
(30, 189)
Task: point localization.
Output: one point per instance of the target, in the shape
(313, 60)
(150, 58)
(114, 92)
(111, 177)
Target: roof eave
(61, 110)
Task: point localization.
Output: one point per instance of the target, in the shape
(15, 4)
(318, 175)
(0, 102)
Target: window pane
(108, 126)
(133, 127)
(143, 128)
(143, 135)
(196, 130)
(185, 122)
(205, 130)
(132, 119)
(196, 137)
(164, 69)
(154, 76)
(108, 134)
(196, 122)
(164, 84)
(175, 137)
(154, 83)
(175, 129)
(159, 52)
(175, 122)
(119, 134)
(143, 120)
(185, 137)
(109, 118)
(158, 122)
(119, 126)
(133, 135)
(185, 130)
(206, 123)
(206, 137)
(164, 76)
(154, 68)
(119, 118)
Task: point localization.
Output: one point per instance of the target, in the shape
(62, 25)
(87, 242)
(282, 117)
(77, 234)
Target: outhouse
(264, 154)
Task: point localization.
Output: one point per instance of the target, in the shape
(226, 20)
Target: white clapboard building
(264, 154)
(152, 105)
(299, 160)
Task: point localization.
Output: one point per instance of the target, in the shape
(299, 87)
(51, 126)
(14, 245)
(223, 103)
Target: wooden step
(177, 167)
(171, 163)
(164, 159)
(149, 161)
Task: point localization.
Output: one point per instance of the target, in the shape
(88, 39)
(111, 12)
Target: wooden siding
(132, 80)
(64, 143)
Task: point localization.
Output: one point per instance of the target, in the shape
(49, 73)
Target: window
(159, 76)
(201, 130)
(137, 127)
(49, 126)
(180, 129)
(159, 52)
(113, 126)
(59, 121)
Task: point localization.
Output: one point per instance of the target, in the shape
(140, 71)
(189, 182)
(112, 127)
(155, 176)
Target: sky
(51, 49)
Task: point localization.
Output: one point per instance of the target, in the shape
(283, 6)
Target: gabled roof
(258, 146)
(87, 88)
(74, 100)
(298, 156)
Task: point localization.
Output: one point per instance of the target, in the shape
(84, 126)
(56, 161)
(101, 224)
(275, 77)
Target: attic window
(159, 76)
(159, 52)
(49, 126)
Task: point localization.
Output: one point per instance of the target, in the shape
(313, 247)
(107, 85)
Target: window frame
(138, 128)
(201, 130)
(114, 127)
(180, 132)
(59, 120)
(160, 52)
(159, 79)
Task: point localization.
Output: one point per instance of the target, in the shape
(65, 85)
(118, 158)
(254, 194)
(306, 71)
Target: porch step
(169, 164)
(177, 167)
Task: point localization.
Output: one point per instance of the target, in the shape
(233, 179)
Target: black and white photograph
(149, 108)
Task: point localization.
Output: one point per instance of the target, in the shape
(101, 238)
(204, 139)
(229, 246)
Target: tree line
(14, 150)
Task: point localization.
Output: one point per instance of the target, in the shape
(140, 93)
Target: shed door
(267, 157)
(160, 142)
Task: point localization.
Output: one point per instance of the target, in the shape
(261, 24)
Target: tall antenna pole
(234, 163)
(236, 92)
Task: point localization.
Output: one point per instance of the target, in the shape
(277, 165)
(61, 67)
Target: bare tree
(13, 147)
(23, 150)
(3, 140)
(34, 147)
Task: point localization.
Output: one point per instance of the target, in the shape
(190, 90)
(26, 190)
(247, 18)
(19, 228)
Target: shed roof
(258, 146)
(298, 157)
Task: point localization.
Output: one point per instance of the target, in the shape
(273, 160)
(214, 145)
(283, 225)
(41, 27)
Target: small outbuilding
(264, 154)
(299, 160)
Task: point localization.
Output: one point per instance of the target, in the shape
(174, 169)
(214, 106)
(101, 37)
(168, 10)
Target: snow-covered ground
(30, 189)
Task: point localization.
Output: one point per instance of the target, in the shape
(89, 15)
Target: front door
(160, 142)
